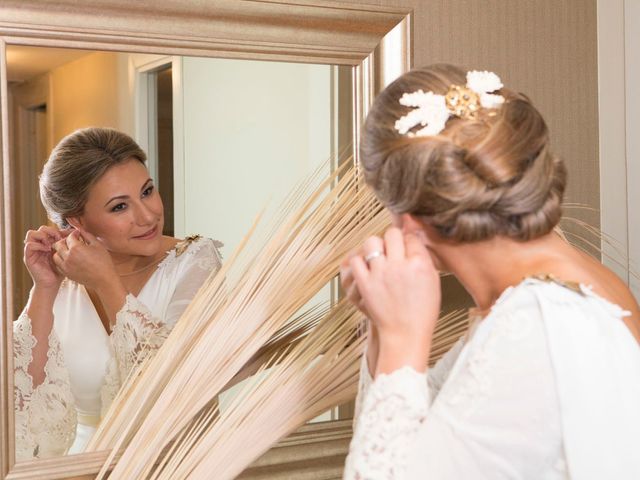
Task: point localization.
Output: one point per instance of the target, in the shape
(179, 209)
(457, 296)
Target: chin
(147, 247)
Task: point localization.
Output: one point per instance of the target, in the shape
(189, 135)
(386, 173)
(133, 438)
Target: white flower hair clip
(432, 110)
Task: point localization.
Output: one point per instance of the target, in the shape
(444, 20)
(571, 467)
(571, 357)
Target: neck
(487, 268)
(131, 264)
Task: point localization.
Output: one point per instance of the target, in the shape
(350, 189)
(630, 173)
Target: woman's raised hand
(82, 258)
(399, 289)
(38, 256)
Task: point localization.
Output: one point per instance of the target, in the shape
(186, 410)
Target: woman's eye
(147, 191)
(119, 207)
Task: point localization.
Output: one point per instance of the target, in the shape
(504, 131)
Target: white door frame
(141, 66)
(619, 134)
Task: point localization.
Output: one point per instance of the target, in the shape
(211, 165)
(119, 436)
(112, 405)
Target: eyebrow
(124, 197)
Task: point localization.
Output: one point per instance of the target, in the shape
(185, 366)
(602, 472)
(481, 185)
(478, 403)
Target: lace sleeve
(45, 416)
(138, 334)
(436, 375)
(393, 410)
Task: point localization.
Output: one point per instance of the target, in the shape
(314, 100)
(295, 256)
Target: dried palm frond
(314, 375)
(229, 321)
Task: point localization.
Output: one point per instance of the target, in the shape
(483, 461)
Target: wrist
(44, 293)
(398, 352)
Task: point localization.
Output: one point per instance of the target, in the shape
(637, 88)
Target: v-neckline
(144, 286)
(178, 249)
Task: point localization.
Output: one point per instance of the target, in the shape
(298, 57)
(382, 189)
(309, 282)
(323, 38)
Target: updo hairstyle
(490, 175)
(76, 163)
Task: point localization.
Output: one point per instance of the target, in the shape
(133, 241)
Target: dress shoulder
(545, 293)
(194, 248)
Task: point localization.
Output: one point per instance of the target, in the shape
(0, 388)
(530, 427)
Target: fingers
(394, 244)
(414, 247)
(36, 247)
(66, 232)
(86, 237)
(347, 280)
(44, 234)
(74, 239)
(50, 231)
(33, 251)
(353, 294)
(373, 252)
(58, 261)
(360, 271)
(346, 277)
(61, 249)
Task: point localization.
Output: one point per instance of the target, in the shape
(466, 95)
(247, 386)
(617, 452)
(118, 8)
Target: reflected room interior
(224, 138)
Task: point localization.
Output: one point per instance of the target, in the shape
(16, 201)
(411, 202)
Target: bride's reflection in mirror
(107, 285)
(221, 137)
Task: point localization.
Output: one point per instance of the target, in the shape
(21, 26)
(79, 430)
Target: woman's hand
(400, 291)
(38, 256)
(353, 295)
(82, 258)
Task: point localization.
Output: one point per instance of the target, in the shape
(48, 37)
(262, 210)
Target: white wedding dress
(547, 387)
(85, 365)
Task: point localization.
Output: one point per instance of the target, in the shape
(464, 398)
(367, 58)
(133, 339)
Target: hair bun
(489, 175)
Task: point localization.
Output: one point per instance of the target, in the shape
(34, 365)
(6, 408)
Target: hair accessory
(432, 110)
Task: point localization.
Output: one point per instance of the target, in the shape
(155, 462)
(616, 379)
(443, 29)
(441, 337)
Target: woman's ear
(412, 224)
(75, 222)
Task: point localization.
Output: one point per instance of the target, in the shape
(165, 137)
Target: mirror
(333, 86)
(223, 137)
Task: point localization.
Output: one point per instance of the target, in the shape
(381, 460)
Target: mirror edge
(389, 54)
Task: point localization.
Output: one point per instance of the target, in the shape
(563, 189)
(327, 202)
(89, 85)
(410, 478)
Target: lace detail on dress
(135, 336)
(46, 418)
(393, 412)
(23, 343)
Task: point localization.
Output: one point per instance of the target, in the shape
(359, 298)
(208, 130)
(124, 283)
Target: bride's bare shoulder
(604, 282)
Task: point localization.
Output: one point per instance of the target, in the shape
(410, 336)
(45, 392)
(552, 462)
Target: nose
(145, 215)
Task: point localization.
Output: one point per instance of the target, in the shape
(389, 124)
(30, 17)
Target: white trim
(142, 65)
(179, 192)
(150, 90)
(614, 220)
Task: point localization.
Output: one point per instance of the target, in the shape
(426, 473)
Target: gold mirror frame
(375, 41)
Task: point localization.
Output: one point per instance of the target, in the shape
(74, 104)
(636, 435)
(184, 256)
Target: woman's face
(124, 210)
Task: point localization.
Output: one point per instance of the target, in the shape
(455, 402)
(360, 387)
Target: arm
(485, 423)
(44, 408)
(38, 258)
(45, 413)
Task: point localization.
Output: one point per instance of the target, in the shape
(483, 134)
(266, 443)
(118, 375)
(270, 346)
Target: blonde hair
(491, 175)
(76, 163)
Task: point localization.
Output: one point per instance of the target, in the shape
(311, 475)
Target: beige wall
(544, 48)
(85, 93)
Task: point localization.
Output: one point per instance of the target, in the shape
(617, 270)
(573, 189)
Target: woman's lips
(148, 235)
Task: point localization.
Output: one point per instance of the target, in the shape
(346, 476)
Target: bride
(107, 285)
(546, 384)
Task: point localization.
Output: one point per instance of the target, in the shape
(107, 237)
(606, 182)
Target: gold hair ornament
(432, 111)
